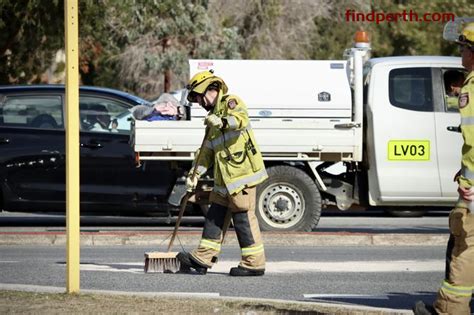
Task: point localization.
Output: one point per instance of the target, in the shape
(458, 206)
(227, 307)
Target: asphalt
(191, 238)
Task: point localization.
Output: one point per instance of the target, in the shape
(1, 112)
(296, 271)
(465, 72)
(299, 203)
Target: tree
(132, 44)
(416, 38)
(331, 34)
(151, 41)
(143, 46)
(29, 38)
(271, 29)
(403, 38)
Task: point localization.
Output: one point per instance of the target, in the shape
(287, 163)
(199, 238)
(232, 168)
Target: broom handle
(186, 197)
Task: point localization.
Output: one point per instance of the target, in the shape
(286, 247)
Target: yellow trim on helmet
(201, 81)
(467, 35)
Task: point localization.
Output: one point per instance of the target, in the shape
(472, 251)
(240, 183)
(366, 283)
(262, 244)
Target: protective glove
(191, 183)
(214, 121)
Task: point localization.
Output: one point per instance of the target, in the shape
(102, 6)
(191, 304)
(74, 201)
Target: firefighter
(455, 294)
(231, 150)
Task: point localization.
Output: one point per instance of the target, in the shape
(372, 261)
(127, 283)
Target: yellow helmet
(201, 81)
(467, 35)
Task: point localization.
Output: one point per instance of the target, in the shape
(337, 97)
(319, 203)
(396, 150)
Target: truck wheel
(288, 200)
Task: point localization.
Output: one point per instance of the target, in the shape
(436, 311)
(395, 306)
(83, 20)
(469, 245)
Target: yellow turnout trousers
(455, 293)
(246, 227)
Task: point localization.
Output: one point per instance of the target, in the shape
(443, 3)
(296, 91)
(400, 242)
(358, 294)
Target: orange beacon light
(361, 39)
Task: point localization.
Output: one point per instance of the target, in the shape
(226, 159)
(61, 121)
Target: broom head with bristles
(164, 262)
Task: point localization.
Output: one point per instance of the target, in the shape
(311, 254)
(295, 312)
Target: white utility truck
(354, 132)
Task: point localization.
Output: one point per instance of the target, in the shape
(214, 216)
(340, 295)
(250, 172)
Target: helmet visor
(452, 29)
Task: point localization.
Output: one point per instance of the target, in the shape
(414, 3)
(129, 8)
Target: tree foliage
(416, 38)
(332, 32)
(143, 46)
(32, 33)
(29, 38)
(151, 41)
(270, 29)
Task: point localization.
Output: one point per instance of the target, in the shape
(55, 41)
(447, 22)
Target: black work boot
(421, 308)
(188, 264)
(240, 271)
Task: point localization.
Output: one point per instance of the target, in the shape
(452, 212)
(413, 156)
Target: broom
(167, 261)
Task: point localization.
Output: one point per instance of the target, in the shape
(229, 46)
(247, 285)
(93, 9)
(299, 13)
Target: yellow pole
(71, 22)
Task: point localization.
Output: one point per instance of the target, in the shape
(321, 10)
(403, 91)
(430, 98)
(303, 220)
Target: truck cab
(412, 157)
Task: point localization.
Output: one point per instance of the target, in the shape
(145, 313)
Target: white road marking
(347, 296)
(9, 261)
(346, 266)
(296, 266)
(113, 267)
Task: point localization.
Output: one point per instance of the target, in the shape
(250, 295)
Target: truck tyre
(288, 200)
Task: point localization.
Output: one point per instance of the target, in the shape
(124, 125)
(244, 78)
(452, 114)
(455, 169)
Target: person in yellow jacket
(455, 294)
(231, 150)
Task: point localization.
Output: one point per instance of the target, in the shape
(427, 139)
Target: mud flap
(177, 194)
(200, 196)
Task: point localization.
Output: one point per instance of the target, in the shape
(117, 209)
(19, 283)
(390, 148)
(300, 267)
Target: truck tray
(278, 139)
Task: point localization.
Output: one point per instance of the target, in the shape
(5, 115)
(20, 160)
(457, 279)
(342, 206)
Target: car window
(453, 80)
(411, 88)
(99, 114)
(32, 111)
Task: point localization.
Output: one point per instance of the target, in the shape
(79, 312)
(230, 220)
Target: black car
(32, 154)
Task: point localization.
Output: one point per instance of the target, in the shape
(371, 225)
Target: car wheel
(288, 200)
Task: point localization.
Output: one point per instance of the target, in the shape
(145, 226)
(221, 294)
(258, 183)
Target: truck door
(401, 132)
(446, 115)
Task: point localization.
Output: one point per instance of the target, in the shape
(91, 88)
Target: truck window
(411, 88)
(453, 80)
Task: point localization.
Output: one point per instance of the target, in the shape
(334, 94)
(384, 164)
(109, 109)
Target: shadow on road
(54, 220)
(392, 300)
(331, 222)
(392, 230)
